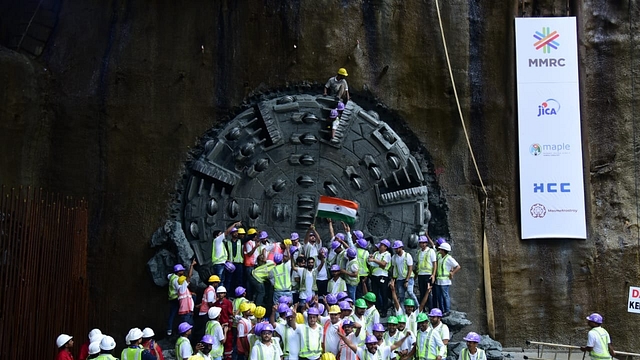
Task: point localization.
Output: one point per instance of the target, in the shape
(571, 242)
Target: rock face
(123, 89)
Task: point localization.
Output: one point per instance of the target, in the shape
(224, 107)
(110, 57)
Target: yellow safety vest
(281, 278)
(423, 346)
(261, 354)
(261, 273)
(377, 270)
(218, 258)
(303, 282)
(173, 292)
(181, 341)
(424, 264)
(351, 280)
(602, 338)
(210, 330)
(305, 351)
(443, 272)
(105, 357)
(405, 268)
(131, 353)
(285, 348)
(238, 258)
(363, 257)
(464, 354)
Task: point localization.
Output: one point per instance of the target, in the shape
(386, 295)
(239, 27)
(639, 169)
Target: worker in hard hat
(337, 86)
(598, 340)
(209, 297)
(288, 336)
(280, 275)
(250, 256)
(372, 348)
(107, 344)
(266, 349)
(183, 346)
(235, 255)
(435, 323)
(150, 344)
(64, 343)
(371, 315)
(330, 330)
(392, 335)
(93, 350)
(359, 318)
(218, 250)
(447, 266)
(174, 304)
(428, 344)
(185, 297)
(217, 332)
(348, 326)
(135, 349)
(206, 352)
(94, 335)
(310, 335)
(244, 327)
(472, 351)
(258, 276)
(226, 317)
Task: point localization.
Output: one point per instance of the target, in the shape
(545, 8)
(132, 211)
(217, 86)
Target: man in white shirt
(330, 329)
(428, 344)
(336, 284)
(345, 353)
(337, 85)
(219, 252)
(266, 349)
(471, 352)
(402, 270)
(373, 351)
(447, 267)
(598, 341)
(310, 336)
(290, 340)
(425, 268)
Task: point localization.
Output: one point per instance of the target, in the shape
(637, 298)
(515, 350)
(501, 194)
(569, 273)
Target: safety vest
(351, 280)
(186, 302)
(363, 257)
(370, 356)
(377, 270)
(285, 337)
(335, 286)
(439, 330)
(368, 320)
(105, 357)
(182, 341)
(173, 292)
(402, 273)
(443, 272)
(261, 273)
(261, 354)
(238, 258)
(204, 308)
(281, 278)
(604, 345)
(424, 264)
(305, 351)
(303, 281)
(390, 340)
(212, 325)
(464, 354)
(132, 353)
(218, 258)
(423, 347)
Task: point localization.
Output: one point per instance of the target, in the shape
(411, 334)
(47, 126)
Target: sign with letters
(633, 305)
(552, 203)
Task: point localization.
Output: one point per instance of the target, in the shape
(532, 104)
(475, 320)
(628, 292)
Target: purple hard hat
(349, 300)
(333, 114)
(282, 308)
(184, 327)
(258, 329)
(295, 236)
(397, 244)
(384, 242)
(347, 322)
(267, 327)
(340, 236)
(240, 290)
(440, 241)
(340, 106)
(342, 295)
(362, 243)
(435, 312)
(331, 299)
(293, 249)
(358, 234)
(378, 327)
(351, 253)
(207, 339)
(284, 299)
(313, 311)
(229, 266)
(289, 313)
(335, 267)
(595, 317)
(371, 339)
(263, 235)
(178, 267)
(423, 239)
(335, 244)
(344, 305)
(234, 229)
(324, 251)
(472, 336)
(277, 258)
(320, 309)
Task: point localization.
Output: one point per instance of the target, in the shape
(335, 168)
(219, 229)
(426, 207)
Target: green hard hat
(402, 318)
(409, 302)
(392, 320)
(370, 297)
(422, 317)
(361, 304)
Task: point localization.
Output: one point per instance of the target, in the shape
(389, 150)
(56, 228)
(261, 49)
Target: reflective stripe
(443, 272)
(281, 278)
(218, 258)
(351, 280)
(377, 270)
(105, 357)
(210, 330)
(440, 329)
(204, 308)
(285, 348)
(262, 272)
(423, 351)
(179, 343)
(424, 265)
(405, 268)
(305, 352)
(464, 354)
(303, 282)
(132, 353)
(363, 268)
(238, 258)
(261, 354)
(602, 338)
(173, 292)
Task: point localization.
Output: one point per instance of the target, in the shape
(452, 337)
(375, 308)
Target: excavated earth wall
(123, 89)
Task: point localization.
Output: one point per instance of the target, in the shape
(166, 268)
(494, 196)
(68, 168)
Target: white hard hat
(95, 335)
(221, 289)
(107, 343)
(94, 348)
(126, 339)
(134, 334)
(148, 333)
(445, 246)
(63, 339)
(214, 312)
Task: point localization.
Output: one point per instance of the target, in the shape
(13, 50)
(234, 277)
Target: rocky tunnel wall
(124, 88)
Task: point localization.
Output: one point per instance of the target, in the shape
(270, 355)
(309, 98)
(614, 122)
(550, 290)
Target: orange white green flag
(337, 209)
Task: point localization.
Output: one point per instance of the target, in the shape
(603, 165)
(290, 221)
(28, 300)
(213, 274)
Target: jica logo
(549, 107)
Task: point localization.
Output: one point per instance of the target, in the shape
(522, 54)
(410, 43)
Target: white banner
(634, 300)
(550, 141)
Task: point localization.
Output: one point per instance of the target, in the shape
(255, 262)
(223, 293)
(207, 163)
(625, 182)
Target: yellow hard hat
(343, 72)
(252, 307)
(260, 312)
(241, 231)
(334, 309)
(328, 356)
(182, 279)
(252, 231)
(245, 306)
(214, 278)
(299, 318)
(287, 242)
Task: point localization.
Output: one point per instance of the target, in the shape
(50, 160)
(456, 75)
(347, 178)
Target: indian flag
(337, 209)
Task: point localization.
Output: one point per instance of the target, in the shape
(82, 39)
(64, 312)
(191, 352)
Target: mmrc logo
(546, 40)
(549, 107)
